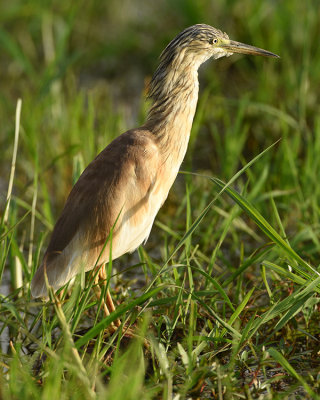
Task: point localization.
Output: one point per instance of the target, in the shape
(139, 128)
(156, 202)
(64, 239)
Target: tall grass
(229, 304)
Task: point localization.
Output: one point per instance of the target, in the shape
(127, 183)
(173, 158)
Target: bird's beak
(237, 47)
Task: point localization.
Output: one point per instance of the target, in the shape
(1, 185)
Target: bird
(111, 208)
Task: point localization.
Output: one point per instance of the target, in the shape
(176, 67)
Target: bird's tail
(53, 273)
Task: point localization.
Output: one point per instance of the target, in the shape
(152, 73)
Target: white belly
(131, 234)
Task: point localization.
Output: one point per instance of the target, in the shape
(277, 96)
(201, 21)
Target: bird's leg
(97, 291)
(109, 306)
(107, 302)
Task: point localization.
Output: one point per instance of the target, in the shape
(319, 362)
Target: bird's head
(201, 42)
(187, 51)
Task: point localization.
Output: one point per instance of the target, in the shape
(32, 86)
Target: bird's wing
(121, 175)
(115, 184)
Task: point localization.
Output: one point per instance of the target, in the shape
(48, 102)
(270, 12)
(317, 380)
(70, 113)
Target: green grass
(229, 302)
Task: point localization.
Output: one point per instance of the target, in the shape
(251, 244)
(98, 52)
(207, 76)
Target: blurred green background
(82, 69)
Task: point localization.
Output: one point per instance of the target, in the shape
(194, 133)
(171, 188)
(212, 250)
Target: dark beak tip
(273, 55)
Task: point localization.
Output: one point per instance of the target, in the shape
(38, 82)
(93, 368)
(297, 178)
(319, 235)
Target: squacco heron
(123, 188)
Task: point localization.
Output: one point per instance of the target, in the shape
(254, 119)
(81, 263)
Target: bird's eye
(213, 41)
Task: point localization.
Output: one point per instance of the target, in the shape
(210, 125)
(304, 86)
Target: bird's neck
(170, 118)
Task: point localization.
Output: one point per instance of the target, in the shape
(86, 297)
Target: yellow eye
(213, 41)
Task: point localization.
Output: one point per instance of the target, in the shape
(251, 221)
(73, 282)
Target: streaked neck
(171, 115)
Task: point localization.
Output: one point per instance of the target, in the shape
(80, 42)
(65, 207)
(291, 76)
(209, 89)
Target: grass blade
(14, 158)
(93, 332)
(264, 225)
(288, 367)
